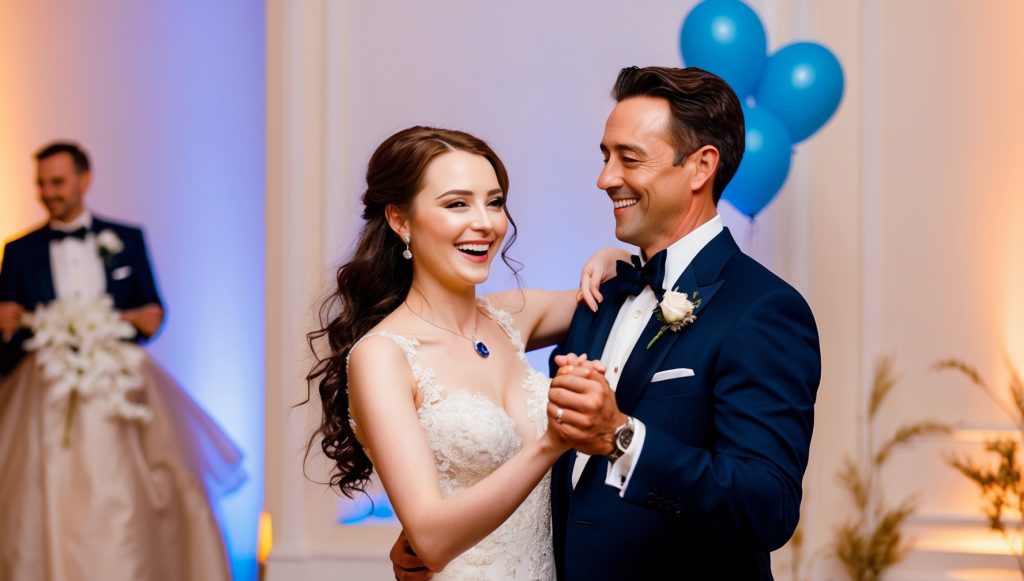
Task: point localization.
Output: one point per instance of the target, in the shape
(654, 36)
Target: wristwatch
(622, 439)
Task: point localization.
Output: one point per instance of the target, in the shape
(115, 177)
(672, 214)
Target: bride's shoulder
(379, 357)
(505, 302)
(388, 340)
(381, 343)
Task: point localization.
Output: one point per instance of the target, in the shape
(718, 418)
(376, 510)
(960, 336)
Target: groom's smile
(623, 204)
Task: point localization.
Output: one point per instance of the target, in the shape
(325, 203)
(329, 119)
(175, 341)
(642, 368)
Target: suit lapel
(44, 272)
(701, 277)
(600, 328)
(98, 226)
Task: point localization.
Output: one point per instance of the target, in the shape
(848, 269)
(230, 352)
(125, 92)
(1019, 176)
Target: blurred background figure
(98, 487)
(64, 259)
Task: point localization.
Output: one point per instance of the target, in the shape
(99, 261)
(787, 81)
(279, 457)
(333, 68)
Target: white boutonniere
(675, 311)
(109, 244)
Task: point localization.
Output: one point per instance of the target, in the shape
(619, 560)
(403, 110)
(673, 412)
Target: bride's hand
(553, 440)
(599, 268)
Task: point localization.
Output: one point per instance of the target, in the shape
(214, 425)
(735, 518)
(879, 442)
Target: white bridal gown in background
(125, 501)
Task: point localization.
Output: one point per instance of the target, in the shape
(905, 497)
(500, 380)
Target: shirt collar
(84, 220)
(682, 252)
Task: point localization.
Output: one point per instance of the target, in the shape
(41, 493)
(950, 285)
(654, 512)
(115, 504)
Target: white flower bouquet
(82, 350)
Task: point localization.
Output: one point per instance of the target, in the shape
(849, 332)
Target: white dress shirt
(629, 324)
(76, 265)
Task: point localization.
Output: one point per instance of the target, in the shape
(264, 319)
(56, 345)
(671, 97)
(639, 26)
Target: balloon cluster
(785, 97)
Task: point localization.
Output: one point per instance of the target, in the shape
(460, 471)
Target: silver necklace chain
(478, 346)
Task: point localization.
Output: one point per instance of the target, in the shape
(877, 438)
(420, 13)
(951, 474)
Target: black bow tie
(59, 235)
(631, 279)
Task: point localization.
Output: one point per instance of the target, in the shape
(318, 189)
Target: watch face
(625, 439)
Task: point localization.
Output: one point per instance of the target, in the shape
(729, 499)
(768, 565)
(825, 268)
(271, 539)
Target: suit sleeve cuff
(620, 471)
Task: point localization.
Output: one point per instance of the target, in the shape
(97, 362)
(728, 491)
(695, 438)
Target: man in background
(76, 255)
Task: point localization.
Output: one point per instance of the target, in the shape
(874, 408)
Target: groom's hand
(11, 314)
(406, 564)
(147, 318)
(589, 414)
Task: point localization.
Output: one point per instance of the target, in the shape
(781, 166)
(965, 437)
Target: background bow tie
(59, 235)
(630, 279)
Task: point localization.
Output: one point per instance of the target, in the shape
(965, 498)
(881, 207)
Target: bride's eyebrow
(454, 193)
(463, 193)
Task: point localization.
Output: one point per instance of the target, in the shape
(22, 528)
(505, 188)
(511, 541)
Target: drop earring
(407, 253)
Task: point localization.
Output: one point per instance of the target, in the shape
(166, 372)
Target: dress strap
(504, 320)
(424, 375)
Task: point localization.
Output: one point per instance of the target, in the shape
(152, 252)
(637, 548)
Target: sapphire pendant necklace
(478, 346)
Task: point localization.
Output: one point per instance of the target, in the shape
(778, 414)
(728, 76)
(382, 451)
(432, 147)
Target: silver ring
(558, 415)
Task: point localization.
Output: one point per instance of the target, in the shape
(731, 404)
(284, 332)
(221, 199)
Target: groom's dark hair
(77, 154)
(705, 111)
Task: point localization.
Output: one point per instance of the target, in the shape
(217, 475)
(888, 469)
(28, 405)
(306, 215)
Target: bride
(428, 384)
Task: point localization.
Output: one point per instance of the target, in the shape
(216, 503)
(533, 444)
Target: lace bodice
(471, 437)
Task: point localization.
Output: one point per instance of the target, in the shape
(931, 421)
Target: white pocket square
(671, 374)
(121, 273)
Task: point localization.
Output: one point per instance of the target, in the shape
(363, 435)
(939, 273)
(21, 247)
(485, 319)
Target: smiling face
(61, 186)
(457, 220)
(653, 197)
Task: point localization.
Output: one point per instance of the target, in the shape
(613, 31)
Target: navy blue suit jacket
(718, 482)
(27, 278)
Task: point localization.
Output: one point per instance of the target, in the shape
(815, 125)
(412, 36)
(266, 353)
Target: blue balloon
(725, 37)
(802, 84)
(765, 163)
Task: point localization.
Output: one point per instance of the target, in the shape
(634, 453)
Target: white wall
(900, 222)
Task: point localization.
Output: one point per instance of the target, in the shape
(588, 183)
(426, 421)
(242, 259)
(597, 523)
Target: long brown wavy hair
(374, 282)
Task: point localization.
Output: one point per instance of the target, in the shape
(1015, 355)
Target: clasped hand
(582, 406)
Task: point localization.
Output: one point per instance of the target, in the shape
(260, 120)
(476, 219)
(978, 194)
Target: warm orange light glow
(984, 574)
(265, 538)
(18, 207)
(978, 541)
(980, 435)
(1014, 267)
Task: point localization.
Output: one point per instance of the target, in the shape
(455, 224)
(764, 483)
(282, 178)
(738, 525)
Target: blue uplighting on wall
(374, 508)
(205, 224)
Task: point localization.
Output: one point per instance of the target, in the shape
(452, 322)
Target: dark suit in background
(26, 278)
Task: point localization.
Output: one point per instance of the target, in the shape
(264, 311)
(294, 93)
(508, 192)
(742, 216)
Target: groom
(692, 425)
(74, 256)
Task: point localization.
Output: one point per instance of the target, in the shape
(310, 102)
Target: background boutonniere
(109, 244)
(675, 311)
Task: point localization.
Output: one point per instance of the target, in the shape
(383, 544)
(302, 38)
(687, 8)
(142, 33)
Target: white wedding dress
(470, 437)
